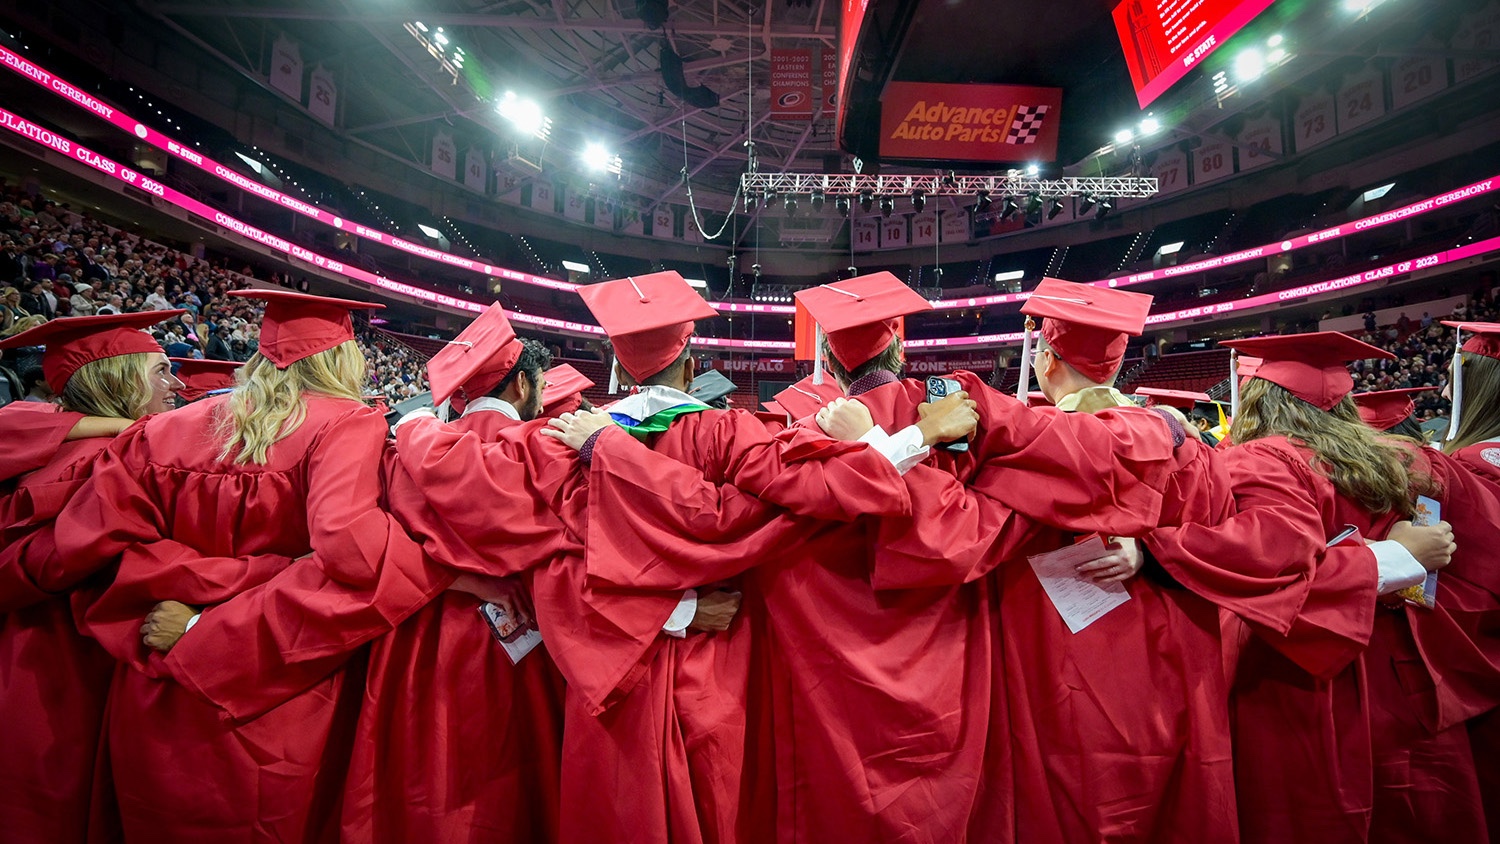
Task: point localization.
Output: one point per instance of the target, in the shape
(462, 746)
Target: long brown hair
(1481, 413)
(1372, 471)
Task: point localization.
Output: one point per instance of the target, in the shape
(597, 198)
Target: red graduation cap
(1180, 399)
(774, 407)
(477, 359)
(648, 318)
(299, 325)
(805, 398)
(1313, 367)
(1246, 366)
(1088, 326)
(201, 377)
(73, 342)
(1484, 337)
(1388, 408)
(564, 391)
(861, 315)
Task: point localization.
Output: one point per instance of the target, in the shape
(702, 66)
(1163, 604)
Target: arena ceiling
(595, 66)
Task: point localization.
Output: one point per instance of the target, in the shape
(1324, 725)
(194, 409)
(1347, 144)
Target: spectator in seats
(33, 300)
(218, 344)
(44, 269)
(83, 303)
(1403, 324)
(34, 385)
(1426, 319)
(157, 301)
(115, 305)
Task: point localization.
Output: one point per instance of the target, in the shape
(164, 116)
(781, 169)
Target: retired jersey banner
(992, 123)
(791, 84)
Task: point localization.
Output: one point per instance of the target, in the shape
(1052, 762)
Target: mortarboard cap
(73, 342)
(1388, 408)
(711, 385)
(1088, 326)
(1484, 337)
(299, 325)
(1313, 367)
(861, 315)
(564, 390)
(1180, 399)
(774, 407)
(477, 359)
(201, 377)
(805, 398)
(648, 318)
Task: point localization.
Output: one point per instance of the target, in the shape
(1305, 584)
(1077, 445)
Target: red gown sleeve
(954, 535)
(1266, 562)
(32, 433)
(364, 577)
(1099, 472)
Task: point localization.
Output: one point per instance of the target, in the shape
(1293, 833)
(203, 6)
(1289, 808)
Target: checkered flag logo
(1027, 124)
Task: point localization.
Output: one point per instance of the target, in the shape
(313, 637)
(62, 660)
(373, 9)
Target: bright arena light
(1032, 169)
(1274, 40)
(1249, 65)
(1124, 136)
(1150, 125)
(598, 158)
(524, 114)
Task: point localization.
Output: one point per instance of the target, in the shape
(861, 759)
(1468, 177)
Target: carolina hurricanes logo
(1491, 456)
(790, 99)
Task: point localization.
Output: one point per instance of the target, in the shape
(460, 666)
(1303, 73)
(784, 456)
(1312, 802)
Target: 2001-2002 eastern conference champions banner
(990, 123)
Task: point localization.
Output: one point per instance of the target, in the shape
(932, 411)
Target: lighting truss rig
(772, 184)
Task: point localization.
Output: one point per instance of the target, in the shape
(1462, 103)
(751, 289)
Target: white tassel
(614, 372)
(817, 354)
(1234, 383)
(1457, 385)
(445, 410)
(1024, 385)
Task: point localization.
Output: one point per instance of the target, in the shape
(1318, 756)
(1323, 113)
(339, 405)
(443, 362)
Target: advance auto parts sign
(938, 122)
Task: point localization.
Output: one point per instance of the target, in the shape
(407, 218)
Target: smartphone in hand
(938, 388)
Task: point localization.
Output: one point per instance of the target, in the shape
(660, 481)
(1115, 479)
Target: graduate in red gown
(656, 720)
(454, 741)
(1474, 443)
(55, 681)
(261, 510)
(1338, 751)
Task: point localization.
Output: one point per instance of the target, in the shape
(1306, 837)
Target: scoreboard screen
(1164, 39)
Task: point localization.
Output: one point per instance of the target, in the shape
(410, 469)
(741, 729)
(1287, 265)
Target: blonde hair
(1371, 471)
(118, 387)
(1480, 421)
(269, 404)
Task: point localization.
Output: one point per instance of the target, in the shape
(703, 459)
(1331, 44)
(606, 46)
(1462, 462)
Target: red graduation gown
(880, 701)
(439, 688)
(1354, 754)
(241, 733)
(1120, 731)
(53, 680)
(659, 724)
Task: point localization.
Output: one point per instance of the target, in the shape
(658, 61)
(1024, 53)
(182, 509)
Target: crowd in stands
(57, 262)
(1424, 348)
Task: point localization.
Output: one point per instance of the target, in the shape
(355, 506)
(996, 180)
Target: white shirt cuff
(681, 617)
(904, 448)
(191, 622)
(419, 413)
(1395, 567)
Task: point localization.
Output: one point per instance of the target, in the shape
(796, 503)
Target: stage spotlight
(918, 201)
(770, 198)
(982, 202)
(1106, 205)
(866, 199)
(818, 199)
(1008, 208)
(790, 205)
(1034, 204)
(1085, 204)
(842, 204)
(1054, 207)
(887, 206)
